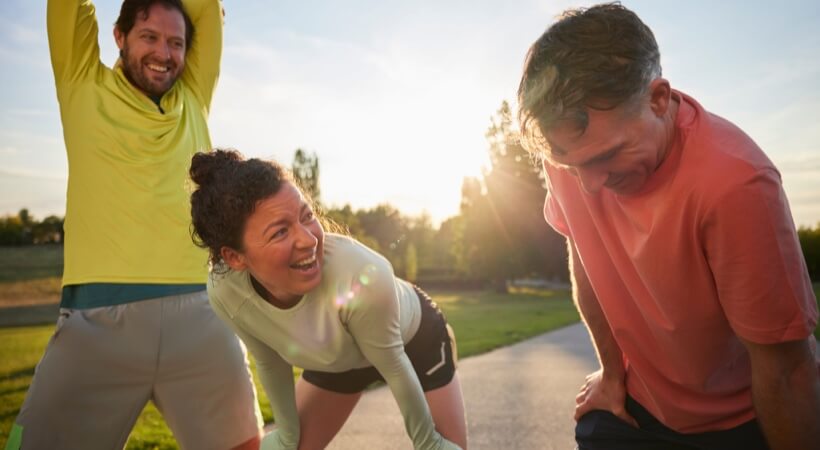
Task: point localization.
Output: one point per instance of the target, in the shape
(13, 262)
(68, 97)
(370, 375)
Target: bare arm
(606, 388)
(786, 393)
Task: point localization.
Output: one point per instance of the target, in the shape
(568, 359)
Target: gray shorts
(102, 366)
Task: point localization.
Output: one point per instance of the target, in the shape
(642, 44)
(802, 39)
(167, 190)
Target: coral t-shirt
(705, 252)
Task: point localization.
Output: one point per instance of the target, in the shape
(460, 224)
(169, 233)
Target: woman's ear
(233, 258)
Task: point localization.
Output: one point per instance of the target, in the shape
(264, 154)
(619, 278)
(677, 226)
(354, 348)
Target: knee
(601, 430)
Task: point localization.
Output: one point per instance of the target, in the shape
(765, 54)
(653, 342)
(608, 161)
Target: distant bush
(810, 243)
(23, 229)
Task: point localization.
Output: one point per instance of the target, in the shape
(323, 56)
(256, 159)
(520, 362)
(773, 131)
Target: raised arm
(205, 53)
(606, 388)
(276, 376)
(72, 40)
(374, 324)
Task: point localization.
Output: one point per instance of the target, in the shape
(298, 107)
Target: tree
(305, 168)
(385, 224)
(50, 230)
(505, 235)
(411, 267)
(810, 244)
(11, 231)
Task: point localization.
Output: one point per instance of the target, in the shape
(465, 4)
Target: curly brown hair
(229, 188)
(598, 58)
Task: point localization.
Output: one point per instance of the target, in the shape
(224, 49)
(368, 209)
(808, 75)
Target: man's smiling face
(153, 52)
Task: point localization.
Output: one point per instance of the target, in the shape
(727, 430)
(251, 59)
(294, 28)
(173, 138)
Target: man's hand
(604, 393)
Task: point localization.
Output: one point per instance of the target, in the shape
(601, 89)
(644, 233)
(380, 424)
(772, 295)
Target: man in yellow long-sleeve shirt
(135, 324)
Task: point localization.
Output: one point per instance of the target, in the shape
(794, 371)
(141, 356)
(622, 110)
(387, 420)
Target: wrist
(614, 374)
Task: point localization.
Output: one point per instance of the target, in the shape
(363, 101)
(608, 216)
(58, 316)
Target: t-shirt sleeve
(758, 267)
(276, 376)
(203, 56)
(374, 324)
(553, 213)
(72, 40)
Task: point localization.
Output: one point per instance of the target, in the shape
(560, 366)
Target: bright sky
(395, 97)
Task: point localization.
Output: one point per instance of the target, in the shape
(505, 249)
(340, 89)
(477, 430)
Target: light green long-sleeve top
(127, 206)
(360, 315)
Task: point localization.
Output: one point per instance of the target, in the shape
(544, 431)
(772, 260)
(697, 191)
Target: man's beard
(134, 71)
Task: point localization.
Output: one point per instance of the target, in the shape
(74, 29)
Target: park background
(400, 119)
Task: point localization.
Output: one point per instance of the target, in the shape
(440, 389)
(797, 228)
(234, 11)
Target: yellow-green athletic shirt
(360, 315)
(127, 209)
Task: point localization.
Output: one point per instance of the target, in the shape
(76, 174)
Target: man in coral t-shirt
(685, 262)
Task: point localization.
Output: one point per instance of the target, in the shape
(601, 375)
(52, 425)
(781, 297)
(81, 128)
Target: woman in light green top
(323, 302)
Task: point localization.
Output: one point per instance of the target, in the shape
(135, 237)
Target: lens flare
(367, 275)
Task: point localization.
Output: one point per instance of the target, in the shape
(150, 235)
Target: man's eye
(309, 216)
(279, 233)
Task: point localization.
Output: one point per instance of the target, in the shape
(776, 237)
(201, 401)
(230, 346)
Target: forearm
(787, 403)
(398, 372)
(283, 405)
(609, 352)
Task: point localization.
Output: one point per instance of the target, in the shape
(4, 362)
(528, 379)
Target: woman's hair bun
(206, 167)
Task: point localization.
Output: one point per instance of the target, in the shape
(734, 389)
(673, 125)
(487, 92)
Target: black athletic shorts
(431, 351)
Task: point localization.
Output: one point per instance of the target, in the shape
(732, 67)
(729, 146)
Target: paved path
(517, 397)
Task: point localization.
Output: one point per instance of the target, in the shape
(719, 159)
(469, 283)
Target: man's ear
(233, 258)
(119, 37)
(660, 95)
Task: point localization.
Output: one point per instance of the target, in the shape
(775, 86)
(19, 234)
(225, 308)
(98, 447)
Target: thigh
(92, 382)
(204, 387)
(447, 407)
(321, 413)
(747, 436)
(602, 430)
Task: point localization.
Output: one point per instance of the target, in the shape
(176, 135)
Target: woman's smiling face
(282, 246)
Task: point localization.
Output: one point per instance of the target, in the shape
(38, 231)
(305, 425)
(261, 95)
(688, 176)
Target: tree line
(498, 235)
(24, 229)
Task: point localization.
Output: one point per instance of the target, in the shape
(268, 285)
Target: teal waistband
(94, 295)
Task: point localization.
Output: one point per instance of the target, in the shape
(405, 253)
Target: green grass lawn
(30, 274)
(482, 321)
(31, 262)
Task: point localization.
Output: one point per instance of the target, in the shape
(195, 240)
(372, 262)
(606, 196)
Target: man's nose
(591, 179)
(163, 50)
